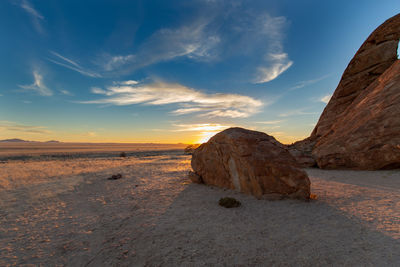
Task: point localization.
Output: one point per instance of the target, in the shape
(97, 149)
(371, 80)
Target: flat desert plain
(58, 208)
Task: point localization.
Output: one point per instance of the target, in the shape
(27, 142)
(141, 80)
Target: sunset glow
(199, 133)
(206, 136)
(132, 74)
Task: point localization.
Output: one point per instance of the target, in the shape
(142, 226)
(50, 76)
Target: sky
(174, 71)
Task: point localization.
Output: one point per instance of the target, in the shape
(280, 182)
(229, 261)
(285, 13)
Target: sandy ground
(66, 212)
(11, 150)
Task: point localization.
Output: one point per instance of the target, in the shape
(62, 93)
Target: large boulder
(359, 128)
(250, 162)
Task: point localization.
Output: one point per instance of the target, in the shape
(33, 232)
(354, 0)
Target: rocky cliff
(360, 126)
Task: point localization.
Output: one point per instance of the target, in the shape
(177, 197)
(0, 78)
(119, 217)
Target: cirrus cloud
(193, 41)
(38, 85)
(279, 64)
(17, 127)
(202, 127)
(276, 60)
(72, 65)
(188, 100)
(35, 15)
(203, 39)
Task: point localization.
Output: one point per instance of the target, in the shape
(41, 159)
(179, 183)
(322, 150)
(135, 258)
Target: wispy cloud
(15, 127)
(70, 61)
(191, 41)
(38, 85)
(36, 17)
(219, 31)
(188, 100)
(113, 63)
(302, 84)
(279, 63)
(66, 92)
(97, 90)
(91, 134)
(326, 99)
(277, 134)
(244, 35)
(129, 82)
(72, 65)
(269, 122)
(268, 125)
(297, 112)
(209, 127)
(271, 127)
(276, 60)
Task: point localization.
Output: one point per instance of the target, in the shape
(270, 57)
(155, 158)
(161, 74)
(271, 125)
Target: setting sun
(205, 136)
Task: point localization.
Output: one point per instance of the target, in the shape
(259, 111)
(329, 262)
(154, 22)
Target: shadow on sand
(153, 216)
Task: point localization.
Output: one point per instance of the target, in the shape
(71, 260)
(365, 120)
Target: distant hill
(14, 140)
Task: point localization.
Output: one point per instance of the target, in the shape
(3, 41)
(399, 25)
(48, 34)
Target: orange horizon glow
(203, 137)
(184, 134)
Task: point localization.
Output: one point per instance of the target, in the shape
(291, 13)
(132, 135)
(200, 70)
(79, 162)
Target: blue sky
(174, 71)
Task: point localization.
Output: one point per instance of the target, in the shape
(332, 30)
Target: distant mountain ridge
(16, 140)
(13, 140)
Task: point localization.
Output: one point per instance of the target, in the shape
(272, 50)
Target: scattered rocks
(302, 152)
(250, 162)
(229, 202)
(122, 155)
(115, 177)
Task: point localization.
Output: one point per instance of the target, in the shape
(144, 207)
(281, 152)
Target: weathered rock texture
(250, 162)
(359, 128)
(190, 148)
(195, 178)
(373, 58)
(367, 136)
(302, 152)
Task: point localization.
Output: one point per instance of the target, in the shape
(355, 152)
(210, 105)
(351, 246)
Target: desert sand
(61, 150)
(64, 211)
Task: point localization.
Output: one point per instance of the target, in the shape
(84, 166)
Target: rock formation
(373, 58)
(302, 152)
(359, 128)
(367, 136)
(251, 162)
(190, 149)
(195, 178)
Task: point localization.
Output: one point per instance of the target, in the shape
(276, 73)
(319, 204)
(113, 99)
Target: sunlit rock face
(368, 134)
(250, 162)
(359, 128)
(373, 58)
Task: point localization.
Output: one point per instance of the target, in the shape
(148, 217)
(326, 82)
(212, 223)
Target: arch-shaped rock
(360, 126)
(367, 135)
(372, 59)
